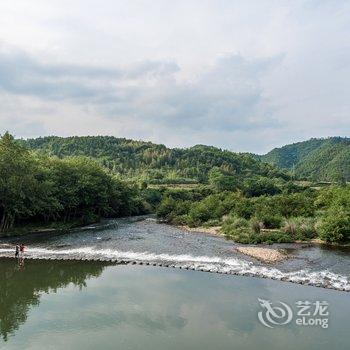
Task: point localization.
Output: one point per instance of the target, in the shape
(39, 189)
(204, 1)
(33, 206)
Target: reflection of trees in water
(20, 288)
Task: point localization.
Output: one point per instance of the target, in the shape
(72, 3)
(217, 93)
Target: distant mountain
(155, 163)
(326, 159)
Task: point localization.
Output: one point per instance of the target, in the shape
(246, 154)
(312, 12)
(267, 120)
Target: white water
(237, 266)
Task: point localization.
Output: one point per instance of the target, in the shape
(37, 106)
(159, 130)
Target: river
(95, 305)
(143, 240)
(66, 303)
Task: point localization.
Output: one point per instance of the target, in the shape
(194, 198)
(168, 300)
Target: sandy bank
(215, 230)
(264, 254)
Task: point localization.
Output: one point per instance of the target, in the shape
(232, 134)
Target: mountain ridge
(155, 162)
(320, 159)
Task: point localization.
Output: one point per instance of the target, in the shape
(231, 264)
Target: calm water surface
(90, 305)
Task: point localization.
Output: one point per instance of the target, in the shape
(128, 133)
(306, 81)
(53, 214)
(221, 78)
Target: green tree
(19, 186)
(41, 188)
(335, 226)
(222, 182)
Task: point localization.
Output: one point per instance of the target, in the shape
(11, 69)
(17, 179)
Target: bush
(240, 223)
(210, 208)
(170, 209)
(234, 225)
(300, 228)
(244, 208)
(306, 227)
(246, 236)
(335, 226)
(221, 181)
(235, 222)
(256, 225)
(270, 220)
(296, 204)
(182, 220)
(250, 232)
(213, 222)
(259, 186)
(290, 228)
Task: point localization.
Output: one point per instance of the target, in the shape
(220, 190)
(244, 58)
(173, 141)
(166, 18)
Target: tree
(335, 226)
(19, 187)
(259, 186)
(222, 182)
(41, 188)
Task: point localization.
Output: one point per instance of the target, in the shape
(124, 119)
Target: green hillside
(317, 159)
(55, 183)
(155, 163)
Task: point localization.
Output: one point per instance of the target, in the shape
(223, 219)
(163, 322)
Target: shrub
(240, 223)
(275, 237)
(270, 220)
(306, 227)
(300, 228)
(290, 228)
(296, 204)
(245, 236)
(169, 209)
(259, 186)
(234, 225)
(256, 225)
(210, 208)
(244, 208)
(212, 222)
(240, 235)
(335, 226)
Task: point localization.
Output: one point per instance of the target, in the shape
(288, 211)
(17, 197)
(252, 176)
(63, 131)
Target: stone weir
(114, 261)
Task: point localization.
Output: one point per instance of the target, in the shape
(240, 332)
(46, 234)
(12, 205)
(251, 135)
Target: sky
(246, 75)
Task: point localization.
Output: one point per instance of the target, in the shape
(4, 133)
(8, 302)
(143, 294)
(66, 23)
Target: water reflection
(22, 285)
(134, 307)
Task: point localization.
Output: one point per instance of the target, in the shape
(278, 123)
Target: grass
(253, 231)
(248, 236)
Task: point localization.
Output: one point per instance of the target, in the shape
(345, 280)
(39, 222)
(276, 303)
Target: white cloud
(242, 75)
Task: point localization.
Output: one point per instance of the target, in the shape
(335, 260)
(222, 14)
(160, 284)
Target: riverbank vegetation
(40, 189)
(298, 215)
(55, 181)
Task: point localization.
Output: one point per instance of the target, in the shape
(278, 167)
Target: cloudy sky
(242, 75)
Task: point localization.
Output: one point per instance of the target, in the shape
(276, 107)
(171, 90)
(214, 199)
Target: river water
(95, 305)
(142, 239)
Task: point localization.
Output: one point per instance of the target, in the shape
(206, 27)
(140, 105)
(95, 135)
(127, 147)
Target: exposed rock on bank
(264, 254)
(215, 230)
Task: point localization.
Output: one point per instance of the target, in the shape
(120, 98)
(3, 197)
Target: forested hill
(318, 159)
(155, 163)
